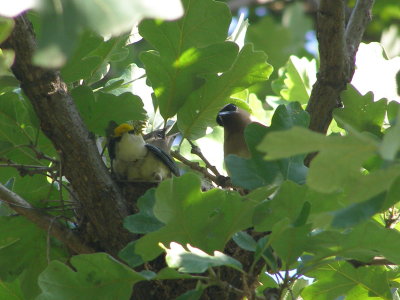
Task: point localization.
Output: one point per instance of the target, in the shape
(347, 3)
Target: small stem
(196, 150)
(218, 180)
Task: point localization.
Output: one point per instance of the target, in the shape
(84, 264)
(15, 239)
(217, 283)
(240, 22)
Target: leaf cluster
(319, 232)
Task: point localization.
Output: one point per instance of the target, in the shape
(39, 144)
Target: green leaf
(195, 260)
(393, 109)
(292, 202)
(392, 194)
(21, 245)
(340, 278)
(16, 128)
(303, 216)
(361, 112)
(255, 172)
(19, 128)
(203, 104)
(268, 286)
(205, 220)
(358, 212)
(6, 60)
(339, 159)
(173, 81)
(297, 79)
(191, 295)
(377, 181)
(128, 254)
(245, 241)
(364, 242)
(296, 289)
(83, 61)
(8, 82)
(390, 144)
(265, 251)
(168, 273)
(282, 35)
(62, 22)
(60, 25)
(289, 242)
(11, 291)
(144, 221)
(126, 82)
(38, 190)
(121, 16)
(98, 111)
(205, 22)
(112, 50)
(192, 46)
(95, 276)
(390, 41)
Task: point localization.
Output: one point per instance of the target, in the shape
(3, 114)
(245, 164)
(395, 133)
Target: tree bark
(102, 205)
(338, 47)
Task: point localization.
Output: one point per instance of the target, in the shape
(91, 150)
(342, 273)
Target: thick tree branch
(44, 221)
(332, 76)
(103, 207)
(337, 47)
(359, 19)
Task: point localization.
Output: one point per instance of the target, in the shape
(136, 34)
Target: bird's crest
(136, 128)
(121, 129)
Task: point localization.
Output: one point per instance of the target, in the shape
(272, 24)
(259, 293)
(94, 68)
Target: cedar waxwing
(133, 159)
(234, 120)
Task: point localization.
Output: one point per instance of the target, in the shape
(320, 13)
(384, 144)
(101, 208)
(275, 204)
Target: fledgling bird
(234, 120)
(133, 159)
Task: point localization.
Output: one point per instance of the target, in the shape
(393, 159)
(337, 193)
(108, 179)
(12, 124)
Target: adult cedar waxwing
(133, 159)
(234, 120)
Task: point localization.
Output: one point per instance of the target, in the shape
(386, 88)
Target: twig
(26, 169)
(375, 262)
(215, 280)
(48, 240)
(219, 180)
(196, 150)
(18, 166)
(41, 155)
(44, 221)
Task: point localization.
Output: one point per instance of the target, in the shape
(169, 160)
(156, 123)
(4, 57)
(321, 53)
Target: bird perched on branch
(234, 120)
(134, 159)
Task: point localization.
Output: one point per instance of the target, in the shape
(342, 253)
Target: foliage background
(334, 223)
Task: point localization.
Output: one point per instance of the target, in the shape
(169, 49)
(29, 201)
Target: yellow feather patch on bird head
(121, 129)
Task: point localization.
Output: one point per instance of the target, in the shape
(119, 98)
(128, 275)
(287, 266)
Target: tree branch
(337, 47)
(44, 221)
(377, 261)
(103, 206)
(359, 19)
(332, 77)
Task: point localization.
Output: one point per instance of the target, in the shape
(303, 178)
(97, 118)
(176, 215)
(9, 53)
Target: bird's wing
(164, 157)
(111, 147)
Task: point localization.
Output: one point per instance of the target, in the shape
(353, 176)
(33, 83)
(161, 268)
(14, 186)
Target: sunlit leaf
(195, 260)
